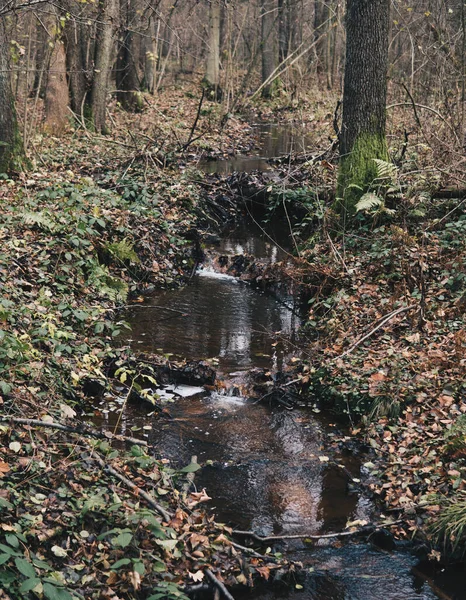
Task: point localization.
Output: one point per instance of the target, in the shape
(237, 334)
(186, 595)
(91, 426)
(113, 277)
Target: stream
(267, 469)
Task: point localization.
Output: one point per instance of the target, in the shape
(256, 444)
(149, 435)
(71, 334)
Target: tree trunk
(321, 17)
(364, 98)
(57, 97)
(283, 29)
(11, 150)
(127, 79)
(268, 43)
(107, 24)
(212, 74)
(151, 54)
(75, 64)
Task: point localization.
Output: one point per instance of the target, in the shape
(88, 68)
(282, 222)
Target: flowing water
(267, 469)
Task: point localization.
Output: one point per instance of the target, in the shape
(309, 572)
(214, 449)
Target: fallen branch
(252, 552)
(75, 430)
(147, 497)
(218, 584)
(306, 536)
(388, 318)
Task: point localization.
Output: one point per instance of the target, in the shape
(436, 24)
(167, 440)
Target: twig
(147, 497)
(77, 430)
(193, 128)
(388, 318)
(154, 306)
(218, 584)
(252, 552)
(306, 536)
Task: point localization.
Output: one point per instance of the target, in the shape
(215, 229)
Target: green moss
(358, 170)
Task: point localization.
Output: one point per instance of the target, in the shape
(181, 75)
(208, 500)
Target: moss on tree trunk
(358, 169)
(364, 99)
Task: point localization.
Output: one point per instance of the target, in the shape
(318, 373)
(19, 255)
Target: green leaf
(137, 451)
(25, 567)
(139, 567)
(120, 563)
(167, 544)
(29, 584)
(12, 540)
(5, 504)
(54, 593)
(191, 468)
(5, 387)
(4, 558)
(123, 540)
(9, 550)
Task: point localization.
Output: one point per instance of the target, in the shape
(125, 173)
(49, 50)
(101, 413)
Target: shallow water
(274, 141)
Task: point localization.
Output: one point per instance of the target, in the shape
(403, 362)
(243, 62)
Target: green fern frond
(40, 219)
(385, 169)
(107, 285)
(123, 251)
(369, 201)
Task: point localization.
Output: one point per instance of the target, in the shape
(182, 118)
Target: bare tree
(268, 42)
(212, 74)
(11, 150)
(105, 40)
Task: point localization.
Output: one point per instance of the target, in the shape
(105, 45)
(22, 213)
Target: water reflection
(274, 141)
(217, 317)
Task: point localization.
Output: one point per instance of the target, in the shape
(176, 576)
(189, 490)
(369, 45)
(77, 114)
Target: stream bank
(60, 328)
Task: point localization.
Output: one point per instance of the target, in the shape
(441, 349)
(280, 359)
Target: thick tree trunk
(364, 97)
(268, 43)
(127, 79)
(106, 29)
(212, 74)
(11, 150)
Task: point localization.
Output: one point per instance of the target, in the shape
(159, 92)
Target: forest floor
(99, 221)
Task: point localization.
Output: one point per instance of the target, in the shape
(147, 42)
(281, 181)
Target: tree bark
(107, 25)
(127, 79)
(283, 29)
(321, 17)
(212, 75)
(268, 43)
(362, 135)
(75, 64)
(151, 51)
(11, 151)
(57, 97)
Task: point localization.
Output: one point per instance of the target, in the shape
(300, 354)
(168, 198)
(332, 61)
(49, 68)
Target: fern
(123, 251)
(112, 287)
(40, 219)
(369, 201)
(385, 169)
